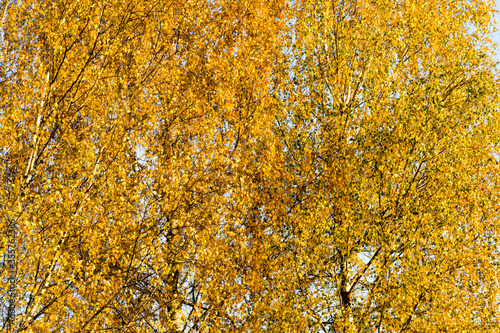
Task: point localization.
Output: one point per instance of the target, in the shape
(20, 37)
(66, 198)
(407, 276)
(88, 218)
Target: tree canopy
(249, 166)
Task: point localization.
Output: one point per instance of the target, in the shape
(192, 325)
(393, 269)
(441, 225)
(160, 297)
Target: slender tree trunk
(345, 297)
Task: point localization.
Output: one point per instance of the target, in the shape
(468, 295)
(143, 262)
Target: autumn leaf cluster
(249, 166)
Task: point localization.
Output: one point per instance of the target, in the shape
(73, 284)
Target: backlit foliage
(248, 166)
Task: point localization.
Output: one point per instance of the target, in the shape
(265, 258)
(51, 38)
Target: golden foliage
(266, 165)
